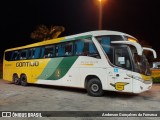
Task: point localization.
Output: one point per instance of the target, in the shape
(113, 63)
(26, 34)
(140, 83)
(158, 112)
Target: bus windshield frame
(136, 63)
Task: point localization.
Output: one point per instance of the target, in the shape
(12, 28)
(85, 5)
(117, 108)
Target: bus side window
(69, 49)
(90, 49)
(8, 56)
(30, 53)
(60, 50)
(78, 47)
(49, 51)
(93, 49)
(12, 56)
(36, 53)
(105, 42)
(23, 54)
(85, 47)
(42, 52)
(107, 47)
(15, 55)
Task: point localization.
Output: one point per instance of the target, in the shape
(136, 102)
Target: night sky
(139, 18)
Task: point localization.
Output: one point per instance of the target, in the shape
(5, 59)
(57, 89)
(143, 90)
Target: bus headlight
(135, 77)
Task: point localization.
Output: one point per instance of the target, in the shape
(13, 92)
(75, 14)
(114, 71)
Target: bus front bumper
(141, 86)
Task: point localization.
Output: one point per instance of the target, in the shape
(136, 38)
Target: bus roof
(71, 37)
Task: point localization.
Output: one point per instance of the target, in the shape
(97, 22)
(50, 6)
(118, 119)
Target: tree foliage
(42, 32)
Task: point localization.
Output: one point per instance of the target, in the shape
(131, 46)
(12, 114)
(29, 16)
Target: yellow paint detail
(32, 72)
(87, 64)
(120, 85)
(52, 41)
(146, 78)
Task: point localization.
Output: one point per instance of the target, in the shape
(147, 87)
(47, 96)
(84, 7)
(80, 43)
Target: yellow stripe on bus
(147, 78)
(87, 64)
(57, 40)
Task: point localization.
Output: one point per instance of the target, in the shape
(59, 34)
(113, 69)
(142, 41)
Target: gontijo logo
(119, 85)
(27, 64)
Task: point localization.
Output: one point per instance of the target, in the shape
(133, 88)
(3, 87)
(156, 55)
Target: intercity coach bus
(96, 61)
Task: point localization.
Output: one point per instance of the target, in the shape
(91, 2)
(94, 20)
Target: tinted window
(69, 49)
(105, 42)
(85, 47)
(34, 53)
(81, 47)
(48, 51)
(111, 37)
(8, 56)
(64, 49)
(118, 56)
(23, 54)
(30, 53)
(15, 55)
(60, 50)
(122, 58)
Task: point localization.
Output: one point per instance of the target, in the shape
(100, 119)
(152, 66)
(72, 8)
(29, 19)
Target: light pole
(100, 15)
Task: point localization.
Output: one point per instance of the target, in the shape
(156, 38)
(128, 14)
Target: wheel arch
(89, 77)
(23, 74)
(15, 74)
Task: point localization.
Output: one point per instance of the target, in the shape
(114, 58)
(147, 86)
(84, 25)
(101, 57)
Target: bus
(96, 61)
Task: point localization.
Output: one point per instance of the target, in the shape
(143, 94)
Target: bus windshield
(141, 64)
(124, 56)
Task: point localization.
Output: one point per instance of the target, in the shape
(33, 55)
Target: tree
(42, 32)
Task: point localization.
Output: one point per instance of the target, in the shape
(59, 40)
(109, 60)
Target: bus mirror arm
(150, 49)
(135, 44)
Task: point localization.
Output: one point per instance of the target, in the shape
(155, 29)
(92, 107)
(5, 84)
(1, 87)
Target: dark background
(139, 18)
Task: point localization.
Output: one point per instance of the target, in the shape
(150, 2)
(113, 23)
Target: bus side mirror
(135, 44)
(150, 49)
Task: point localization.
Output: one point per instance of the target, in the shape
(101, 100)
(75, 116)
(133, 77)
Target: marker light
(132, 40)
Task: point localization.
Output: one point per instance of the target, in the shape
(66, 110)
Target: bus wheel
(94, 87)
(16, 80)
(23, 80)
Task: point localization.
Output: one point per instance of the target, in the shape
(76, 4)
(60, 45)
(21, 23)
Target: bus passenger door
(119, 76)
(123, 71)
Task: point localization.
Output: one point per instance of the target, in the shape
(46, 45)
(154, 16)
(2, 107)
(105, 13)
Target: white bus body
(112, 61)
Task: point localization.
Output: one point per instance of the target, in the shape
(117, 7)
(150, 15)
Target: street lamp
(100, 15)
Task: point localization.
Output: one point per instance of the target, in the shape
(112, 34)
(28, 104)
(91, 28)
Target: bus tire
(94, 87)
(16, 79)
(23, 80)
